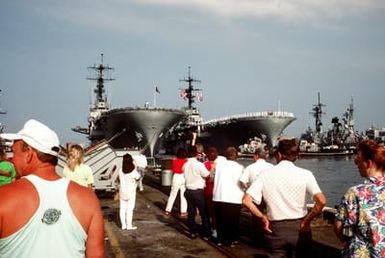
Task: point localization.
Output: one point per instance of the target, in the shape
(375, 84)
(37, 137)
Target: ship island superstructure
(129, 127)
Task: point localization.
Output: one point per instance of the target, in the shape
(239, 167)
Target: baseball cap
(38, 136)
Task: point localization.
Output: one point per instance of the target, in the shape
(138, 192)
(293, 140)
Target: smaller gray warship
(339, 140)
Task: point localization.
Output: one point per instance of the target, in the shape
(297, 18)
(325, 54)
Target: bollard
(166, 175)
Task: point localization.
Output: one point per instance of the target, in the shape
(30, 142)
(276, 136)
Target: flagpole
(155, 97)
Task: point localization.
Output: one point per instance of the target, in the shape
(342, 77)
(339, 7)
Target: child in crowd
(7, 169)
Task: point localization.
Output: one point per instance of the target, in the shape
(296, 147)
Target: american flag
(183, 94)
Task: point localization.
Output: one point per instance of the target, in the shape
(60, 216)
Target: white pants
(178, 183)
(126, 211)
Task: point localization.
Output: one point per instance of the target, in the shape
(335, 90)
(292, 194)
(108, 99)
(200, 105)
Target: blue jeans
(195, 199)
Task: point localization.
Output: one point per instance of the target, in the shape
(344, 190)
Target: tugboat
(136, 128)
(340, 140)
(248, 149)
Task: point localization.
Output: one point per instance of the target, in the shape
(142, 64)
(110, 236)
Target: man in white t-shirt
(285, 188)
(227, 197)
(195, 173)
(252, 171)
(249, 175)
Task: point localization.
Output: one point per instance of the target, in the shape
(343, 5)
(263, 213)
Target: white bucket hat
(38, 136)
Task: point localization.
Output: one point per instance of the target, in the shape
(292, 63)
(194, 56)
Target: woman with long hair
(76, 170)
(128, 177)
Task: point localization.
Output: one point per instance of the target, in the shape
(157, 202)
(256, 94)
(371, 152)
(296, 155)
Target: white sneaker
(214, 233)
(132, 228)
(124, 228)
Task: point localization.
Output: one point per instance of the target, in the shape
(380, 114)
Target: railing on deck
(264, 114)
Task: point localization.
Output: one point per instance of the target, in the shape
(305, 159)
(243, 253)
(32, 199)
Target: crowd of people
(37, 203)
(277, 197)
(216, 187)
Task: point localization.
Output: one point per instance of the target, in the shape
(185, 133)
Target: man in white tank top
(41, 214)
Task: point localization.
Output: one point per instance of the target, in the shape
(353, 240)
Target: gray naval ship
(341, 139)
(131, 127)
(234, 130)
(150, 129)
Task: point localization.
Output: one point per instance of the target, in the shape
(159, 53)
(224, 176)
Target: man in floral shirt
(360, 218)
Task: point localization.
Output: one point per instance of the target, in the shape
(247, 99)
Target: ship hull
(326, 153)
(237, 130)
(234, 131)
(138, 128)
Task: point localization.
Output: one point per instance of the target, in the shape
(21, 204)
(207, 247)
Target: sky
(250, 55)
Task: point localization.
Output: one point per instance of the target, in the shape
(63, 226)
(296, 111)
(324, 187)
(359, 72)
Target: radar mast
(101, 76)
(189, 92)
(317, 113)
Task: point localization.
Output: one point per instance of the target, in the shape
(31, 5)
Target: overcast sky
(250, 55)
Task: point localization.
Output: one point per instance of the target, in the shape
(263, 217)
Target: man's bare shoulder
(84, 204)
(18, 192)
(82, 195)
(16, 188)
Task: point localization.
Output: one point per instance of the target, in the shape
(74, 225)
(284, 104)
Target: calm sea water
(334, 174)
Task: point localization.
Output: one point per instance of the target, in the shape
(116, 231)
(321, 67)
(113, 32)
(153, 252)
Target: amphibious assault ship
(234, 130)
(130, 127)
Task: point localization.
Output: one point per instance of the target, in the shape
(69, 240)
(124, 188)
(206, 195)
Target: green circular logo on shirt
(51, 216)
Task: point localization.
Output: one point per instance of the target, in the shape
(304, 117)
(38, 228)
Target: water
(334, 174)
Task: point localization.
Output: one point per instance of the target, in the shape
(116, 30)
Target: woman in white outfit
(128, 177)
